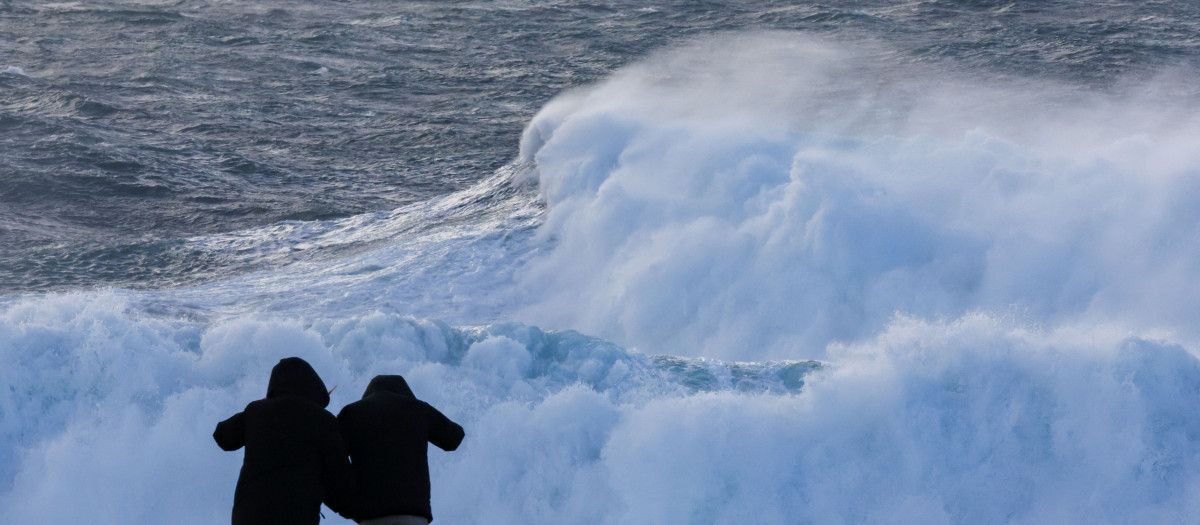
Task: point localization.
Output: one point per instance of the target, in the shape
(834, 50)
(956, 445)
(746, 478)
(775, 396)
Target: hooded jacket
(387, 433)
(295, 456)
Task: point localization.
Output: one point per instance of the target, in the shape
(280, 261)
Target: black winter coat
(387, 433)
(295, 456)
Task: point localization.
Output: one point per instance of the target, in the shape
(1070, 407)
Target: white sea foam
(979, 420)
(1000, 300)
(764, 196)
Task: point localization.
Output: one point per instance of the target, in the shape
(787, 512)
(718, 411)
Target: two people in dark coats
(299, 456)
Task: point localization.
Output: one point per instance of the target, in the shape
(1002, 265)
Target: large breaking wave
(763, 196)
(995, 278)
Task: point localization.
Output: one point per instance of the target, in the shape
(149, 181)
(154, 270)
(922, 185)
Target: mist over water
(769, 277)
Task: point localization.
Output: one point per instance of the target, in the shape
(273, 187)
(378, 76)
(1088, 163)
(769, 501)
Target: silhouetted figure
(295, 455)
(387, 433)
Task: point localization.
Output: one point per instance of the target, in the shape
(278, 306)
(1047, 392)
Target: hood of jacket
(393, 384)
(293, 376)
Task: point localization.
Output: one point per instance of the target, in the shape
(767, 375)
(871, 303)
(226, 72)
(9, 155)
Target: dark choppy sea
(128, 128)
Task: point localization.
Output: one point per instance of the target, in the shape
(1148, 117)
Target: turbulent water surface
(671, 263)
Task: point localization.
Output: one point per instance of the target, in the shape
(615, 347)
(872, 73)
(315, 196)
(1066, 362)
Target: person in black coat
(387, 433)
(295, 455)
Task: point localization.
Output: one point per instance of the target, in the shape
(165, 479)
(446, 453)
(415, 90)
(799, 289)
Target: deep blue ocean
(667, 263)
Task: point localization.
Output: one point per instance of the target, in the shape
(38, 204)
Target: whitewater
(761, 277)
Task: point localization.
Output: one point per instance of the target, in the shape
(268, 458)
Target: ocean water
(668, 263)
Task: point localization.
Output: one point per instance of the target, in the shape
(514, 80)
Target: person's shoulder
(379, 403)
(348, 409)
(256, 405)
(296, 405)
(408, 403)
(314, 413)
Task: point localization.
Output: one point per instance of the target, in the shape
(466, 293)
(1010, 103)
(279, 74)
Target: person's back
(387, 434)
(295, 457)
